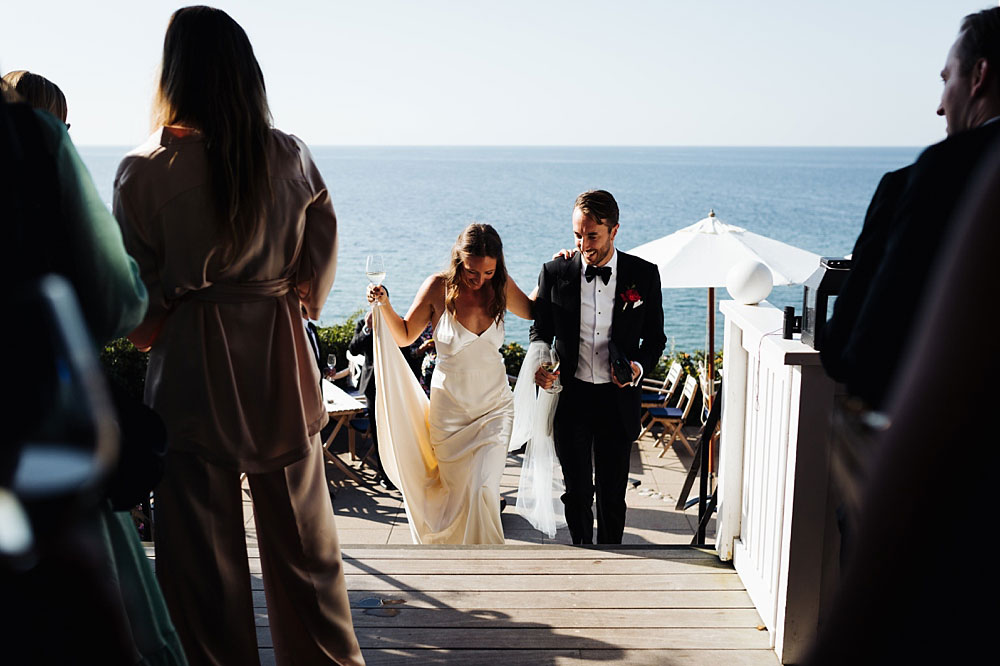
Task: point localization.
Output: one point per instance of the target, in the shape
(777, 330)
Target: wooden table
(342, 408)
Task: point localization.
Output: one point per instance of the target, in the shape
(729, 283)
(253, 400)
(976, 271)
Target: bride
(448, 458)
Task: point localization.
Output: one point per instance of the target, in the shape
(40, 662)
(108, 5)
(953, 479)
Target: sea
(410, 203)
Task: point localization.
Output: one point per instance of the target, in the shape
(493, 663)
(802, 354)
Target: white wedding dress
(446, 455)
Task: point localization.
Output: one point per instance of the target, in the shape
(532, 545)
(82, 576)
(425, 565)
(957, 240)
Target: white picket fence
(775, 517)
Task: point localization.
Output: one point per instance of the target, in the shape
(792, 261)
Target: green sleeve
(112, 296)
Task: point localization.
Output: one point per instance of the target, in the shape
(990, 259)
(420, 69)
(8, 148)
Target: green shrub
(513, 357)
(335, 339)
(125, 365)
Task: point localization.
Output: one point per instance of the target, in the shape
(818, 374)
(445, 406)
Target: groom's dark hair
(599, 206)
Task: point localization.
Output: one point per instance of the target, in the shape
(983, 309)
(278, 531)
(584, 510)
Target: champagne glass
(375, 270)
(551, 365)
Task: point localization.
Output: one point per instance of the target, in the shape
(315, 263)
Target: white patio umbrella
(702, 254)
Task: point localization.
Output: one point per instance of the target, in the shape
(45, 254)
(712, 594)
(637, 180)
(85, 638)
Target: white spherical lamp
(749, 282)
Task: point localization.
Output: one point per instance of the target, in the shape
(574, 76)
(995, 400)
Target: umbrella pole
(710, 384)
(710, 361)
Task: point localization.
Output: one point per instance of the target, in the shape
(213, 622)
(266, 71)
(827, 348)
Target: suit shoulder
(966, 145)
(895, 179)
(556, 266)
(637, 263)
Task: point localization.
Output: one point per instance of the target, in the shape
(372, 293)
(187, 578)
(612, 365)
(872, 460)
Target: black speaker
(820, 292)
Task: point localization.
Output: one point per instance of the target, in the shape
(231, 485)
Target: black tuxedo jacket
(636, 330)
(869, 250)
(920, 227)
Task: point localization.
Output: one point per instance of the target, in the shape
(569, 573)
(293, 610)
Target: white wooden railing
(775, 518)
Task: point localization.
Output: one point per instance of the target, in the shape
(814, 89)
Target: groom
(599, 296)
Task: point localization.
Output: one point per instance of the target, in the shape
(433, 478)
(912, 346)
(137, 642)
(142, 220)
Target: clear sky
(516, 72)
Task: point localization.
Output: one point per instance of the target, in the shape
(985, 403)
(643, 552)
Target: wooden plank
(764, 657)
(563, 599)
(559, 599)
(547, 638)
(514, 582)
(527, 567)
(522, 552)
(591, 638)
(388, 657)
(511, 552)
(511, 582)
(393, 656)
(538, 567)
(647, 618)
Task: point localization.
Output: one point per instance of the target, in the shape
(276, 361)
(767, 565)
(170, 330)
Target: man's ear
(981, 70)
(614, 231)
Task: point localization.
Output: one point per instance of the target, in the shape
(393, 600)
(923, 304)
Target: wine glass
(331, 361)
(551, 365)
(375, 270)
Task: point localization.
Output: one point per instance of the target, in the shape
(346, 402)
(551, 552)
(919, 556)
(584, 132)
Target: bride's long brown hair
(478, 240)
(210, 81)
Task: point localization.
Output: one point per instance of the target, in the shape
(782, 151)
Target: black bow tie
(603, 271)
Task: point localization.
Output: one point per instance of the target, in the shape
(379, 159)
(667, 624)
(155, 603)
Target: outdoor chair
(359, 427)
(673, 418)
(659, 394)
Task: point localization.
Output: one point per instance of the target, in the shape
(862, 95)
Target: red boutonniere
(630, 297)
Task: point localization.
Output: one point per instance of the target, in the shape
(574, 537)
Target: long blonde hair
(210, 81)
(478, 240)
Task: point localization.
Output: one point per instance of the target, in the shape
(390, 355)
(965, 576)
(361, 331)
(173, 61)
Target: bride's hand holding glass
(375, 271)
(377, 294)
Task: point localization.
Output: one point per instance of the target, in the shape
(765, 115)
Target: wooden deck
(534, 600)
(546, 604)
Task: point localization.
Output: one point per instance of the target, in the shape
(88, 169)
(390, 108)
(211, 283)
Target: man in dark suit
(598, 299)
(921, 215)
(363, 345)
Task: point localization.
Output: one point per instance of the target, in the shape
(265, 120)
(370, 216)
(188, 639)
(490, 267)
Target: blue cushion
(361, 425)
(653, 397)
(666, 412)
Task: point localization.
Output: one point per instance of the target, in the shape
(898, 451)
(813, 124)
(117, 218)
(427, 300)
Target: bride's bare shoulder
(432, 290)
(434, 284)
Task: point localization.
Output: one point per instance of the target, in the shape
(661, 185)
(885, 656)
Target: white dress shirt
(597, 303)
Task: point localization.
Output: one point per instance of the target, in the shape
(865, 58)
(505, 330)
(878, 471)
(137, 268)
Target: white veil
(540, 488)
(404, 442)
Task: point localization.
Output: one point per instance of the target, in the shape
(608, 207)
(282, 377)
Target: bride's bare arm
(407, 329)
(517, 301)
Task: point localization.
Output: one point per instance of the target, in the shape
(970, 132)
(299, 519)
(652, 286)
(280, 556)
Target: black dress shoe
(384, 481)
(503, 504)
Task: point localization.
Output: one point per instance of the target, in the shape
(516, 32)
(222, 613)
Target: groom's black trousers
(594, 454)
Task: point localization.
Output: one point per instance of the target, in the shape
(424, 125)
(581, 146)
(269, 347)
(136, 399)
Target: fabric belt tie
(243, 292)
